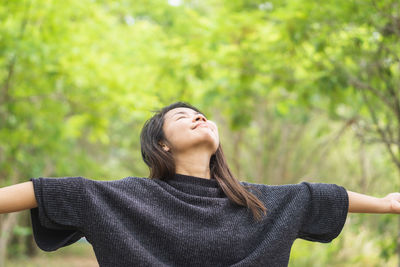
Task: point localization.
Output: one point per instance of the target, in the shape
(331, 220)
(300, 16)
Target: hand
(393, 200)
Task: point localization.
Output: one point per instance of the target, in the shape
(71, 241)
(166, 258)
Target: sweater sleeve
(325, 212)
(58, 219)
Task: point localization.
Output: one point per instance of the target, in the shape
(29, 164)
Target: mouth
(203, 124)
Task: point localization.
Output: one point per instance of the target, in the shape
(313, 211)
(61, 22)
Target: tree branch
(360, 85)
(379, 129)
(379, 140)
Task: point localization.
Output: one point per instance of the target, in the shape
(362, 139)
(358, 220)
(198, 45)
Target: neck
(194, 164)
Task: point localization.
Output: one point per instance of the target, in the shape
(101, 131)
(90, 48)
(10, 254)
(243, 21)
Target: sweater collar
(183, 178)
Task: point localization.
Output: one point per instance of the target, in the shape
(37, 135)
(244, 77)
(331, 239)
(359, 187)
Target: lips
(200, 124)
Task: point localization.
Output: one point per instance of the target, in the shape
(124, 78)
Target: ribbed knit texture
(186, 221)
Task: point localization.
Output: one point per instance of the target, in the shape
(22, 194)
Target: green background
(300, 91)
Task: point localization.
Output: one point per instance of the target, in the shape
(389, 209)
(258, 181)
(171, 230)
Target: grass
(79, 254)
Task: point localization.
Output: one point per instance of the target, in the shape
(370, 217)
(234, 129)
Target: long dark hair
(162, 164)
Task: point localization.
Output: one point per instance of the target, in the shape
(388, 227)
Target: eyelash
(181, 117)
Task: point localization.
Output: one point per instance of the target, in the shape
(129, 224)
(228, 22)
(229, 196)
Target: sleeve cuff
(49, 235)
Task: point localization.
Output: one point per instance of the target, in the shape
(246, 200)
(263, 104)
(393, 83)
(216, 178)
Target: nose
(200, 117)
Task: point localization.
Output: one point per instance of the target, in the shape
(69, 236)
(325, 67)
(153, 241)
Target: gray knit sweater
(186, 221)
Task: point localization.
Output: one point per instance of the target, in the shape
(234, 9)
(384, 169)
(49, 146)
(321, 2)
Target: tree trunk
(236, 152)
(6, 228)
(364, 167)
(398, 242)
(398, 234)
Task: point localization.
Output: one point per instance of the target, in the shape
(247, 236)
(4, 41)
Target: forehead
(174, 111)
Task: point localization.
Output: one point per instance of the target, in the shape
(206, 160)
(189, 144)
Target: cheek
(175, 133)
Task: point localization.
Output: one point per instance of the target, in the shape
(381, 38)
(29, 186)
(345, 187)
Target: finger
(397, 196)
(395, 205)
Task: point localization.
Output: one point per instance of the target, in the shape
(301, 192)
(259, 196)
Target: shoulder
(123, 183)
(301, 186)
(79, 183)
(303, 191)
(128, 188)
(275, 188)
(277, 193)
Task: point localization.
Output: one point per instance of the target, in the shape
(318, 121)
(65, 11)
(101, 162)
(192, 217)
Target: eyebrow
(184, 112)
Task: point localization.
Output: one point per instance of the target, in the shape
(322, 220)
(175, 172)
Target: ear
(164, 146)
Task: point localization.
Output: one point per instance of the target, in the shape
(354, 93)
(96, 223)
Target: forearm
(359, 203)
(17, 197)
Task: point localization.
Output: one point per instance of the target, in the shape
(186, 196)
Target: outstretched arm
(359, 203)
(17, 197)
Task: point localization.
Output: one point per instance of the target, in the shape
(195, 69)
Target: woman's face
(185, 129)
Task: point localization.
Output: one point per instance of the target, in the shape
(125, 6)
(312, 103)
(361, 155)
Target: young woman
(192, 211)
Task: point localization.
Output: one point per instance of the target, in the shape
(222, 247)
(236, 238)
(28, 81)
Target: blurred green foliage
(290, 84)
